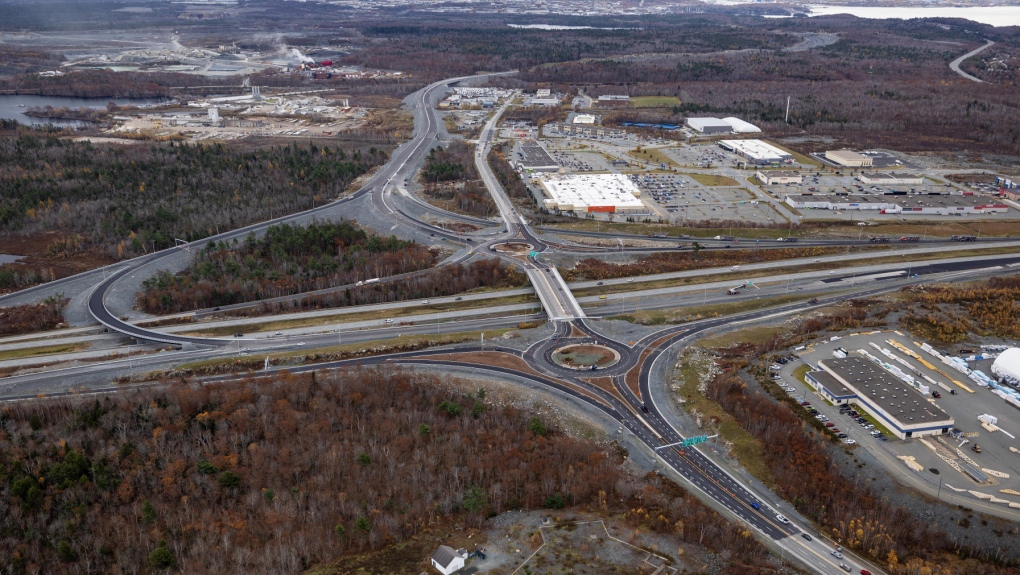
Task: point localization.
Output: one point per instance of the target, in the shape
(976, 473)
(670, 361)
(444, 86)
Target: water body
(14, 107)
(991, 15)
(8, 259)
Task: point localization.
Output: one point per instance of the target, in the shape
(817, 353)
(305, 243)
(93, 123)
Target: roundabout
(585, 356)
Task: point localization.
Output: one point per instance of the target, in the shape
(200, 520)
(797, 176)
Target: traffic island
(585, 356)
(516, 248)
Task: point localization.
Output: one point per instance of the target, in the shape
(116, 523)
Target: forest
(129, 200)
(449, 177)
(279, 474)
(28, 318)
(286, 260)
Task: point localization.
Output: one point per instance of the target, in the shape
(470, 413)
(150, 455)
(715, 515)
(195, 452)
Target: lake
(991, 15)
(13, 107)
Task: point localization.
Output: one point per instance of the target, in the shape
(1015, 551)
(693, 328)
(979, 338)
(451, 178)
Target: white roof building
(604, 193)
(756, 151)
(741, 127)
(584, 119)
(708, 125)
(1007, 365)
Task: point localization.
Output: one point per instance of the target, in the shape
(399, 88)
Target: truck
(734, 291)
(813, 300)
(366, 282)
(878, 240)
(724, 238)
(326, 63)
(910, 239)
(786, 239)
(963, 238)
(976, 448)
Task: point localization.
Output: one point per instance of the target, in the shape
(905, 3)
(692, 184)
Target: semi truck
(910, 239)
(963, 238)
(878, 240)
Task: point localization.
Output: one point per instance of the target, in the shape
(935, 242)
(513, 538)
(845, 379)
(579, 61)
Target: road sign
(694, 440)
(532, 254)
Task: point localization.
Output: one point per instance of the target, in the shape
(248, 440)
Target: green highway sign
(532, 254)
(694, 440)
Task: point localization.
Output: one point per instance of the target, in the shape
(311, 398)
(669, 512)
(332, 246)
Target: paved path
(955, 64)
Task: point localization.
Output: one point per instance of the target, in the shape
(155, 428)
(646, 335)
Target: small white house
(448, 561)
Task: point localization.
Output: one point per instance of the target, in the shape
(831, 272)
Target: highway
(955, 64)
(629, 400)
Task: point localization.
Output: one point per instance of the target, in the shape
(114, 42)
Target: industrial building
(848, 158)
(915, 204)
(584, 119)
(532, 157)
(892, 179)
(583, 130)
(757, 151)
(896, 404)
(772, 178)
(710, 126)
(603, 193)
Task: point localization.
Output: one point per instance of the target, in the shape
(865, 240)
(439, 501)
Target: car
(831, 272)
(630, 281)
(806, 536)
(425, 302)
(755, 505)
(849, 441)
(805, 403)
(782, 519)
(433, 234)
(598, 284)
(876, 433)
(301, 343)
(238, 335)
(458, 298)
(865, 572)
(278, 333)
(842, 436)
(936, 394)
(830, 425)
(388, 321)
(836, 554)
(869, 426)
(844, 567)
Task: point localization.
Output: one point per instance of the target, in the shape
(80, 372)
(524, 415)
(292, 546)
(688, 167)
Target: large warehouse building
(756, 151)
(1007, 366)
(848, 158)
(915, 204)
(532, 157)
(603, 193)
(710, 126)
(897, 405)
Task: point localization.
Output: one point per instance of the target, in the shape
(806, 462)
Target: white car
(425, 302)
(849, 441)
(388, 321)
(782, 519)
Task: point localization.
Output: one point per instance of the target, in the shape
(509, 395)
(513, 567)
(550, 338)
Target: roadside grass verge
(749, 335)
(654, 156)
(639, 285)
(403, 312)
(44, 350)
(748, 450)
(695, 313)
(397, 344)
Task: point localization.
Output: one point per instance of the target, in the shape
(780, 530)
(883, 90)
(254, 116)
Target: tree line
(286, 260)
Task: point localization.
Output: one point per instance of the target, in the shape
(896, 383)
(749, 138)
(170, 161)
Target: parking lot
(946, 453)
(680, 197)
(820, 183)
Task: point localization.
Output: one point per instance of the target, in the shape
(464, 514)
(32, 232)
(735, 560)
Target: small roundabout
(513, 248)
(585, 356)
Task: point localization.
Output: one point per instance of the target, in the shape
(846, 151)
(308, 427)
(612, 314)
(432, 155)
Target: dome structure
(1007, 365)
(741, 127)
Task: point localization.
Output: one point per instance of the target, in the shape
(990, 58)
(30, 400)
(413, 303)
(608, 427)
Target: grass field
(801, 158)
(711, 179)
(753, 335)
(654, 156)
(801, 372)
(404, 312)
(45, 350)
(748, 450)
(655, 101)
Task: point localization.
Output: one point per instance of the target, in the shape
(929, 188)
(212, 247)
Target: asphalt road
(955, 64)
